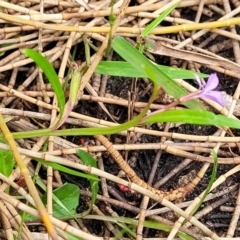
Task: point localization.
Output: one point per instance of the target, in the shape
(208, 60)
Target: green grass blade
(142, 64)
(88, 160)
(72, 100)
(72, 237)
(158, 20)
(187, 116)
(65, 169)
(51, 75)
(148, 224)
(125, 69)
(193, 117)
(212, 179)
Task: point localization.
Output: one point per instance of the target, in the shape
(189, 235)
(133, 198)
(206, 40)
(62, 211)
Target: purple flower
(207, 91)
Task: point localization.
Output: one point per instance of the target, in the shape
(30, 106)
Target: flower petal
(198, 81)
(214, 96)
(212, 83)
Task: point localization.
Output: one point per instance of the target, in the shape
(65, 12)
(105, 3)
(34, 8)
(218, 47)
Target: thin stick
(158, 30)
(27, 177)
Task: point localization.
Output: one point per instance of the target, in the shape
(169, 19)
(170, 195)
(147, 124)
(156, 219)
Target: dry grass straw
(35, 24)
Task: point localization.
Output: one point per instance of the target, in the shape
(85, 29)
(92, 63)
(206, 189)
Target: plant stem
(27, 177)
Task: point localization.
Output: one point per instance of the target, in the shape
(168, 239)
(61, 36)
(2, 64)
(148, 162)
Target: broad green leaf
(158, 20)
(125, 69)
(58, 201)
(51, 75)
(6, 162)
(192, 116)
(88, 160)
(142, 64)
(69, 195)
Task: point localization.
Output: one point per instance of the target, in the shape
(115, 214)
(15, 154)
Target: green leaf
(72, 237)
(158, 20)
(65, 202)
(125, 69)
(58, 201)
(192, 116)
(74, 86)
(148, 224)
(69, 195)
(88, 160)
(51, 75)
(142, 64)
(66, 170)
(6, 162)
(209, 186)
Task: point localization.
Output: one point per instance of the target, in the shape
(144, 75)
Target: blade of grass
(147, 224)
(159, 19)
(209, 186)
(192, 116)
(66, 170)
(88, 160)
(125, 69)
(94, 131)
(184, 116)
(74, 86)
(27, 177)
(142, 64)
(51, 75)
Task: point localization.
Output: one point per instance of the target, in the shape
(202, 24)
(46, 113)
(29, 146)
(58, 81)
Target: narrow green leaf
(192, 116)
(6, 162)
(72, 237)
(209, 186)
(74, 86)
(158, 20)
(142, 64)
(88, 160)
(148, 224)
(187, 116)
(51, 75)
(66, 170)
(125, 69)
